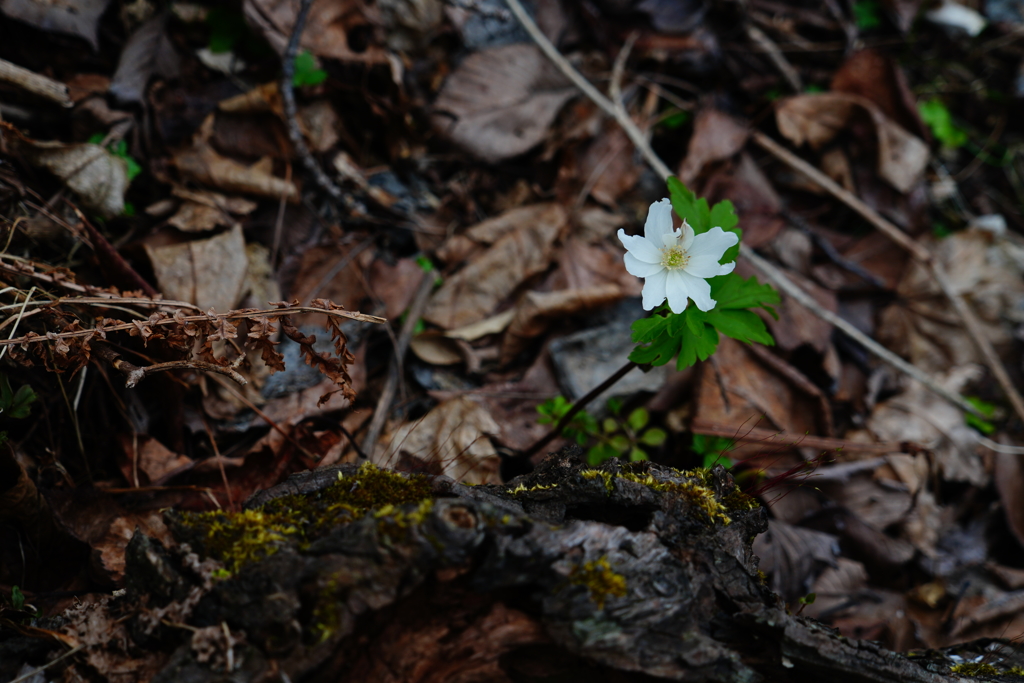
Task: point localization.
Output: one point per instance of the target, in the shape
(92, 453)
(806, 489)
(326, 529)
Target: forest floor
(431, 182)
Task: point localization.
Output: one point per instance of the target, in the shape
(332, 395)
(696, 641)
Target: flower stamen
(674, 257)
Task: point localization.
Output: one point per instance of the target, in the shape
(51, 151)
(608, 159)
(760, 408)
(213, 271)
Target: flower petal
(640, 247)
(659, 222)
(654, 290)
(687, 236)
(699, 290)
(703, 266)
(678, 290)
(712, 243)
(638, 268)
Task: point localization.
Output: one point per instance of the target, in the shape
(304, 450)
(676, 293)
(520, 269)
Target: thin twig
(576, 408)
(232, 315)
(387, 394)
(135, 373)
(779, 278)
(291, 111)
(833, 254)
(776, 57)
(44, 667)
(918, 251)
(108, 255)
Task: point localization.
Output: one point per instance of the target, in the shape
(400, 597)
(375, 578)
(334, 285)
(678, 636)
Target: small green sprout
(867, 14)
(17, 598)
(986, 408)
(617, 436)
(940, 121)
(306, 71)
(712, 450)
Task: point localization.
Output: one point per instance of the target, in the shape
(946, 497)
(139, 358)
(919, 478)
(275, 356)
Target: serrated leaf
(660, 351)
(653, 437)
(695, 319)
(687, 206)
(648, 329)
(638, 419)
(733, 292)
(21, 405)
(741, 325)
(696, 347)
(723, 215)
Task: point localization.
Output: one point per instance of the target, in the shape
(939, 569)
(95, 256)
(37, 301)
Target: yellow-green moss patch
(974, 669)
(241, 538)
(599, 579)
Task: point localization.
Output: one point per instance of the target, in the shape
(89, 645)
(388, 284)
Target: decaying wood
(617, 573)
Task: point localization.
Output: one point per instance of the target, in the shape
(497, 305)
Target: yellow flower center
(674, 257)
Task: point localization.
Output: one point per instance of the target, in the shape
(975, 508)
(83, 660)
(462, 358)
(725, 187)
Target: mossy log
(626, 572)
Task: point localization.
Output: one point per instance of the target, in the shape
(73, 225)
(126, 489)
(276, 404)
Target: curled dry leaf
(793, 556)
(209, 273)
(500, 102)
(537, 309)
(716, 136)
(99, 178)
(987, 270)
(451, 439)
(149, 52)
(75, 17)
(203, 165)
(476, 290)
(817, 118)
(327, 31)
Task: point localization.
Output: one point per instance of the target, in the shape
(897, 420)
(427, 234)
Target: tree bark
(619, 573)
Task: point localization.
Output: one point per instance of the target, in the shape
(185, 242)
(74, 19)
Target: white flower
(675, 264)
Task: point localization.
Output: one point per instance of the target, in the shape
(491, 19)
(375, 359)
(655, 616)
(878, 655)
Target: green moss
(599, 579)
(536, 487)
(737, 501)
(326, 617)
(242, 538)
(974, 669)
(600, 474)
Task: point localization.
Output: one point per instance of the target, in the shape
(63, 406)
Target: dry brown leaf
(1009, 478)
(608, 167)
(76, 17)
(877, 77)
(918, 415)
(590, 265)
(330, 271)
(985, 269)
(793, 557)
(327, 31)
(482, 328)
(817, 118)
(209, 273)
(435, 348)
(149, 52)
(98, 177)
(396, 284)
(500, 102)
(745, 185)
(536, 310)
(203, 165)
(451, 439)
(476, 290)
(716, 136)
(737, 390)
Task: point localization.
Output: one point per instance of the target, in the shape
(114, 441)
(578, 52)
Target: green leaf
(21, 405)
(867, 14)
(741, 325)
(677, 120)
(599, 453)
(306, 71)
(620, 443)
(809, 599)
(733, 292)
(638, 419)
(17, 598)
(697, 347)
(610, 426)
(695, 319)
(688, 207)
(940, 120)
(614, 405)
(653, 437)
(637, 454)
(227, 27)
